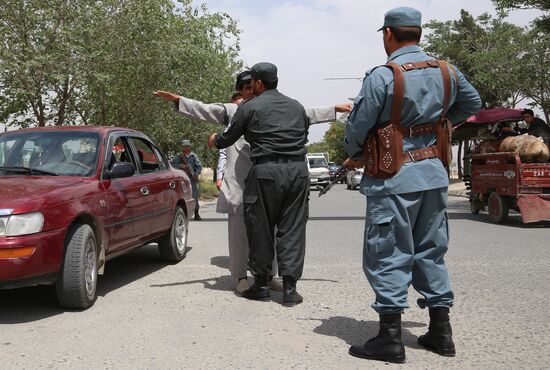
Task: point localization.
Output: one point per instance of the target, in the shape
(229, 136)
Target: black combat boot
(290, 296)
(259, 290)
(387, 345)
(197, 216)
(439, 337)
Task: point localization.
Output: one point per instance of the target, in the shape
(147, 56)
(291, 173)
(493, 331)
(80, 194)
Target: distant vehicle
(74, 197)
(353, 178)
(333, 168)
(318, 169)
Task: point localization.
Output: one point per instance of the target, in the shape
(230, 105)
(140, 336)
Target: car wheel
(498, 208)
(173, 246)
(348, 185)
(77, 282)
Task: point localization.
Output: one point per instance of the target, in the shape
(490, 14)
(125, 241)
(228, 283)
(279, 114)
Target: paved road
(153, 315)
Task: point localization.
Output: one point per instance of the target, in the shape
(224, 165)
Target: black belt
(278, 159)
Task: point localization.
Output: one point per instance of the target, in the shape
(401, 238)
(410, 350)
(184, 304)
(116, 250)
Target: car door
(128, 206)
(161, 186)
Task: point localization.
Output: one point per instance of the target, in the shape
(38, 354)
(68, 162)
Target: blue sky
(310, 40)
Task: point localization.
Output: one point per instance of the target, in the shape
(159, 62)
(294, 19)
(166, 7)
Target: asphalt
(151, 315)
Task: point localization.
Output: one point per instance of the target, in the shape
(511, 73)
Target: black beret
(265, 72)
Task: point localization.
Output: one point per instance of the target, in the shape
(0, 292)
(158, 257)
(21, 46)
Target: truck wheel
(499, 208)
(77, 281)
(474, 208)
(474, 204)
(173, 246)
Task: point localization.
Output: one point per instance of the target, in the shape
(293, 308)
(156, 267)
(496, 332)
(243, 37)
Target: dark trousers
(276, 196)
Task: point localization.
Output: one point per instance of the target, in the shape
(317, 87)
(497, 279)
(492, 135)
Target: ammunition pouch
(383, 152)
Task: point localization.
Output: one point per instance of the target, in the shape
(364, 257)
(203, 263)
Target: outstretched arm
(211, 113)
(326, 114)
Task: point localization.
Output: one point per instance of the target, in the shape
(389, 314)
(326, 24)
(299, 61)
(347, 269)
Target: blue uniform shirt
(195, 167)
(422, 103)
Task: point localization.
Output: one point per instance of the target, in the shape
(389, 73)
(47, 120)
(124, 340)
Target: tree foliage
(505, 63)
(332, 143)
(334, 137)
(486, 50)
(319, 147)
(543, 23)
(536, 74)
(97, 62)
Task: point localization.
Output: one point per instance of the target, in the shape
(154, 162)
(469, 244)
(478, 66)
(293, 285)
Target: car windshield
(63, 153)
(317, 162)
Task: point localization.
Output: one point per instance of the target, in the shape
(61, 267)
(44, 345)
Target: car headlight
(16, 225)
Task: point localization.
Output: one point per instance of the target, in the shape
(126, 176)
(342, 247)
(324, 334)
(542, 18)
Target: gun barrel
(338, 176)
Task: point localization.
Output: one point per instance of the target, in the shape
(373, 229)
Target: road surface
(153, 315)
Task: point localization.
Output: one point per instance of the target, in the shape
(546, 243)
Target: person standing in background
(190, 163)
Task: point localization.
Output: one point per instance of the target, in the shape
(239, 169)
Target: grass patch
(207, 189)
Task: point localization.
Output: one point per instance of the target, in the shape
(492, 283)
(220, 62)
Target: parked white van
(317, 165)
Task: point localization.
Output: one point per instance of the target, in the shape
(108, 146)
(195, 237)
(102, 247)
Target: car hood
(18, 191)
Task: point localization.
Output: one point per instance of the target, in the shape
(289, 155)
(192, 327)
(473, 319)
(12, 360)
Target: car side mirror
(121, 169)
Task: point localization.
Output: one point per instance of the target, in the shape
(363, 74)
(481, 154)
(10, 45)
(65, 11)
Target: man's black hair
(406, 33)
(271, 85)
(529, 112)
(239, 80)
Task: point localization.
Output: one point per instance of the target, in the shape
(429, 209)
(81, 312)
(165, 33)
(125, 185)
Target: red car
(74, 197)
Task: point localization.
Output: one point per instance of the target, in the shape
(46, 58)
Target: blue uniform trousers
(195, 193)
(406, 237)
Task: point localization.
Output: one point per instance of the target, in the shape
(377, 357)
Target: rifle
(338, 176)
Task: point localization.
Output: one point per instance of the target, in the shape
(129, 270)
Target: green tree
(98, 62)
(334, 139)
(487, 50)
(543, 23)
(319, 147)
(535, 75)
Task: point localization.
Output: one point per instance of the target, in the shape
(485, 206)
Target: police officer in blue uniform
(406, 229)
(189, 162)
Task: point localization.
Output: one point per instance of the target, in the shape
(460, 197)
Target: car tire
(173, 246)
(348, 185)
(76, 284)
(499, 208)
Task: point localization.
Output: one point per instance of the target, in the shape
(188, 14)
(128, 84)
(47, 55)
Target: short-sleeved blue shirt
(422, 103)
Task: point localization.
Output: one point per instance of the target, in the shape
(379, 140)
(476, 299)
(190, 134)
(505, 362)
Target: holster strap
(420, 154)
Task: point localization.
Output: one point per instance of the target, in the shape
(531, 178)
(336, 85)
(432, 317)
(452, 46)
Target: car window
(317, 162)
(162, 160)
(148, 158)
(120, 152)
(65, 153)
